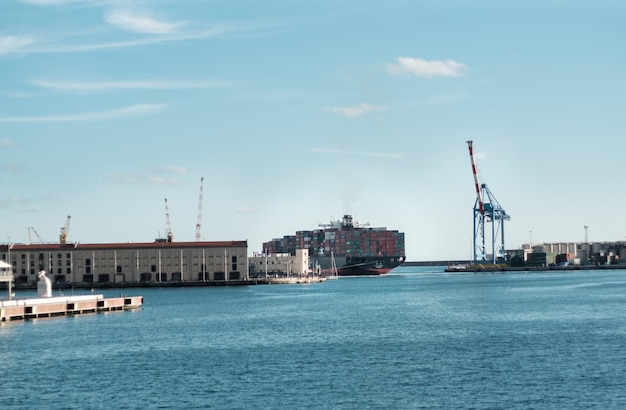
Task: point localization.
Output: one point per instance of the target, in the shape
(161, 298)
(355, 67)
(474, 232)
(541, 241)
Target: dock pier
(64, 305)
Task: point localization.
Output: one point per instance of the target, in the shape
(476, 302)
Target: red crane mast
(479, 195)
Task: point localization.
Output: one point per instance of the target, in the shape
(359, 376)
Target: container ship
(345, 248)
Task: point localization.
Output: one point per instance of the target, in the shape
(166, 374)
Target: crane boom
(168, 227)
(32, 228)
(199, 223)
(479, 195)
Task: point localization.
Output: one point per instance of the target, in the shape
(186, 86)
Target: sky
(296, 112)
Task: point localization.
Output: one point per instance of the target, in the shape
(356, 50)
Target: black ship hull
(355, 266)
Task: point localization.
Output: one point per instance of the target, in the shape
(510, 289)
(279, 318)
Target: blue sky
(296, 112)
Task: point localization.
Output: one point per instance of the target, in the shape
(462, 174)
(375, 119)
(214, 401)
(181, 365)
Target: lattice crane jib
(168, 225)
(199, 223)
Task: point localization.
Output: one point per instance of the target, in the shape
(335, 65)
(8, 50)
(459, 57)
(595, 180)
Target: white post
(203, 266)
(225, 265)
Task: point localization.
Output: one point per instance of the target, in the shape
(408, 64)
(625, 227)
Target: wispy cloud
(93, 86)
(14, 44)
(425, 68)
(139, 23)
(130, 111)
(24, 204)
(9, 201)
(135, 178)
(173, 169)
(146, 30)
(332, 151)
(444, 99)
(359, 110)
(16, 94)
(13, 169)
(52, 2)
(245, 210)
(144, 41)
(5, 142)
(162, 180)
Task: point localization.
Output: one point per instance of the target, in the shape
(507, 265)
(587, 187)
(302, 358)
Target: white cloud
(78, 48)
(50, 2)
(131, 85)
(13, 44)
(138, 23)
(133, 178)
(357, 111)
(167, 33)
(173, 169)
(131, 111)
(5, 142)
(425, 68)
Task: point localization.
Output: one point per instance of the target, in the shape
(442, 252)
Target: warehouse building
(126, 263)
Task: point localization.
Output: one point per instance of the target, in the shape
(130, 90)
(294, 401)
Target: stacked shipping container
(342, 239)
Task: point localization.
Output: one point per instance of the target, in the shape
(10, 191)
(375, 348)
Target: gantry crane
(199, 223)
(65, 231)
(487, 210)
(168, 227)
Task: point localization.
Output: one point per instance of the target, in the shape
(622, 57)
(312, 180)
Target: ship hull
(356, 266)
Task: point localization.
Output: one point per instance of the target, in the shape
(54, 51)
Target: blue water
(412, 339)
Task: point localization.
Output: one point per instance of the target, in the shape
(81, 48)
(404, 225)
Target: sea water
(416, 338)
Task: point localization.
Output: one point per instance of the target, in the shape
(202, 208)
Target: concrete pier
(64, 305)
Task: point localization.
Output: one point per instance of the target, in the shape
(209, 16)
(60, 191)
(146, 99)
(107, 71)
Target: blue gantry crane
(487, 210)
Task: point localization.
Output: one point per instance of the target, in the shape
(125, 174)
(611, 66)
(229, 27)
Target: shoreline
(178, 284)
(487, 268)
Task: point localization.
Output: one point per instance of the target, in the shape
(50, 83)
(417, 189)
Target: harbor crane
(487, 210)
(32, 229)
(168, 226)
(199, 223)
(65, 230)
